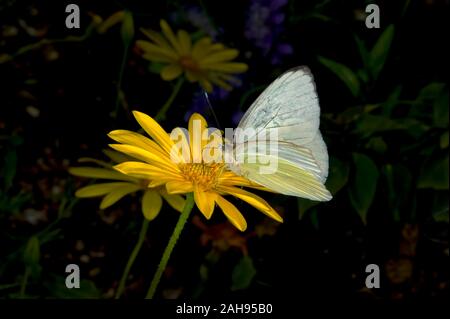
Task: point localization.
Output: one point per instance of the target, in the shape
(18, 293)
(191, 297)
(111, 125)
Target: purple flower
(264, 27)
(196, 17)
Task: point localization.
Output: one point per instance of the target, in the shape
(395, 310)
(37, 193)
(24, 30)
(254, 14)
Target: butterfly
(290, 106)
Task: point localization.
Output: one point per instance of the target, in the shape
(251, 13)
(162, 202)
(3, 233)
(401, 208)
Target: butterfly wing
(296, 173)
(290, 106)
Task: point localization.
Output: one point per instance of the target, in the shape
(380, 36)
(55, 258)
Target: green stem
(120, 94)
(23, 285)
(37, 45)
(169, 248)
(132, 258)
(161, 115)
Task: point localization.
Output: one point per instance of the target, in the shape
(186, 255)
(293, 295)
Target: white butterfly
(290, 105)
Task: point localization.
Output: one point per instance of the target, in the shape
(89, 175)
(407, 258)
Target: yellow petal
(132, 138)
(222, 84)
(185, 42)
(179, 187)
(156, 57)
(206, 85)
(156, 38)
(218, 81)
(204, 201)
(144, 171)
(230, 67)
(170, 72)
(221, 56)
(253, 200)
(117, 194)
(231, 179)
(151, 204)
(201, 48)
(150, 48)
(154, 130)
(99, 189)
(156, 183)
(216, 47)
(180, 139)
(168, 33)
(103, 173)
(176, 201)
(232, 213)
(197, 128)
(94, 160)
(146, 156)
(116, 157)
(191, 76)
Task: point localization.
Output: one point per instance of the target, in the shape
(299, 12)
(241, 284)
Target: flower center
(188, 63)
(205, 175)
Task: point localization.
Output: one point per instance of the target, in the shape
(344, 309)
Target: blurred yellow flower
(208, 181)
(202, 61)
(123, 185)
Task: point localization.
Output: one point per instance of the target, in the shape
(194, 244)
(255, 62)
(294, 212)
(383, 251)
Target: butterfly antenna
(212, 110)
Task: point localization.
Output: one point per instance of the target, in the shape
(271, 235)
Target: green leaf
(363, 52)
(444, 140)
(430, 91)
(344, 73)
(399, 180)
(57, 289)
(13, 204)
(155, 67)
(127, 29)
(412, 126)
(392, 101)
(204, 272)
(9, 168)
(338, 175)
(377, 144)
(440, 110)
(337, 178)
(315, 219)
(441, 216)
(243, 273)
(304, 205)
(32, 252)
(380, 51)
(369, 124)
(434, 174)
(364, 184)
(440, 209)
(426, 97)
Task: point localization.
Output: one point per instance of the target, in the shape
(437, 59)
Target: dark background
(386, 140)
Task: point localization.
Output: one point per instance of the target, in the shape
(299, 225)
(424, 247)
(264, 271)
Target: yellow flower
(203, 61)
(209, 182)
(122, 186)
